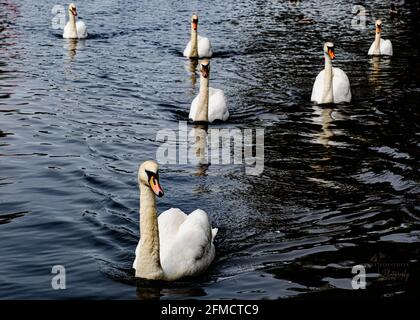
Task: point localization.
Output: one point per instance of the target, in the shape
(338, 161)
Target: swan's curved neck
(377, 46)
(203, 100)
(148, 265)
(73, 29)
(194, 45)
(327, 95)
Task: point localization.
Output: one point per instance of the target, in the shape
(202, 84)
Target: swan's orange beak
(331, 53)
(74, 11)
(195, 24)
(378, 28)
(205, 70)
(155, 185)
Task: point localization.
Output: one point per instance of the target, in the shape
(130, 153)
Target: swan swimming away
(175, 245)
(332, 84)
(74, 29)
(380, 47)
(210, 104)
(197, 47)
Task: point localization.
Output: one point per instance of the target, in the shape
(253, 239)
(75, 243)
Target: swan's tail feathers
(213, 233)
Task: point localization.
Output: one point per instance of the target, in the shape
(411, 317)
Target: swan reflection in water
(324, 118)
(155, 293)
(73, 45)
(377, 72)
(198, 151)
(191, 67)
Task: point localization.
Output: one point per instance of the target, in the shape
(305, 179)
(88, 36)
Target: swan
(174, 246)
(73, 29)
(380, 47)
(210, 104)
(332, 84)
(197, 47)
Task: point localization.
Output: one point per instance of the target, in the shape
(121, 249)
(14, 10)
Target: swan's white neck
(73, 29)
(148, 262)
(377, 46)
(327, 95)
(194, 46)
(203, 99)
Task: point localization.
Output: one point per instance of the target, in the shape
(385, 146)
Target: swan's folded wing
(218, 109)
(169, 223)
(372, 47)
(81, 29)
(318, 88)
(386, 47)
(341, 86)
(187, 49)
(192, 250)
(204, 47)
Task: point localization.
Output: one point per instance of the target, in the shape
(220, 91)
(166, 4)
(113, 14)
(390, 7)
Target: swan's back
(186, 243)
(341, 86)
(218, 109)
(385, 48)
(204, 47)
(81, 29)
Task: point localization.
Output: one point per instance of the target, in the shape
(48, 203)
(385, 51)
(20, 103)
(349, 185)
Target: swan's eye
(195, 21)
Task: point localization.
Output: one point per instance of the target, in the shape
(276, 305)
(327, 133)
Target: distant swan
(74, 29)
(332, 84)
(174, 246)
(197, 47)
(380, 47)
(210, 104)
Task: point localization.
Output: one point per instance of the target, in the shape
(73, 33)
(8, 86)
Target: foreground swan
(210, 104)
(198, 47)
(380, 47)
(174, 246)
(332, 84)
(74, 29)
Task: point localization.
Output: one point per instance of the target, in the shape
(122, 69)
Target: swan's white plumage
(203, 47)
(385, 48)
(186, 243)
(341, 87)
(80, 29)
(218, 109)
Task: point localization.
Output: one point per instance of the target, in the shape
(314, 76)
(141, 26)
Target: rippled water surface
(340, 186)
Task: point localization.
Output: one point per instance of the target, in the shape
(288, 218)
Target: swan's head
(194, 22)
(329, 49)
(378, 24)
(205, 68)
(72, 9)
(149, 176)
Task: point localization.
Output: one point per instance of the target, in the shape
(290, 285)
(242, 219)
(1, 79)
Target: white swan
(332, 84)
(210, 104)
(174, 246)
(74, 29)
(197, 47)
(380, 47)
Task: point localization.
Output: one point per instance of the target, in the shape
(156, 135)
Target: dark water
(341, 183)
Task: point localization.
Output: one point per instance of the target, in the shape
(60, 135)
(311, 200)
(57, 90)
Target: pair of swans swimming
(332, 84)
(210, 104)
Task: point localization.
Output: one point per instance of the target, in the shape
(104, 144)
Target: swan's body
(197, 47)
(210, 104)
(74, 29)
(332, 84)
(175, 245)
(380, 47)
